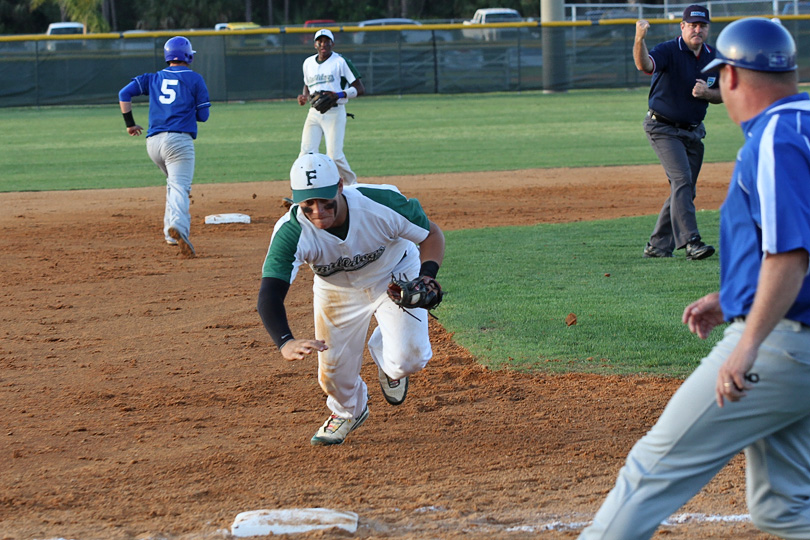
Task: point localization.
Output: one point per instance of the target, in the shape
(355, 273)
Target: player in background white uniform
(329, 71)
(353, 238)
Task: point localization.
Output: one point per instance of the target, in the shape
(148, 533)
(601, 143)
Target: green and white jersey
(334, 74)
(383, 226)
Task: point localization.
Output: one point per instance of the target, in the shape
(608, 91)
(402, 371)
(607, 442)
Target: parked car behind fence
(407, 36)
(64, 29)
(490, 16)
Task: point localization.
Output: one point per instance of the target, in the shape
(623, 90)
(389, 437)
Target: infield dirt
(140, 396)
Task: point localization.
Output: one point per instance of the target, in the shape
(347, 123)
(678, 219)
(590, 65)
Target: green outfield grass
(509, 290)
(87, 147)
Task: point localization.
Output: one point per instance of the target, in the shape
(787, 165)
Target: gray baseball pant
(694, 438)
(680, 152)
(173, 153)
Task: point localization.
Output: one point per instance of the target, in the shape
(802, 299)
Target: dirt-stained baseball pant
(694, 438)
(400, 344)
(173, 153)
(332, 126)
(681, 154)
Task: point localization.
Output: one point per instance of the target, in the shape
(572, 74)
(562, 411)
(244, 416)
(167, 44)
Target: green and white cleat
(336, 429)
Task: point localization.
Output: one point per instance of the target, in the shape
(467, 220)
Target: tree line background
(33, 16)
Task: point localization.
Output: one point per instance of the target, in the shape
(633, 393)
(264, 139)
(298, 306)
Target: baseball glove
(323, 100)
(422, 292)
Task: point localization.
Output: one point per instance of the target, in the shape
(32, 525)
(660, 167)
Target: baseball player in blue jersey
(751, 392)
(679, 97)
(178, 99)
(354, 238)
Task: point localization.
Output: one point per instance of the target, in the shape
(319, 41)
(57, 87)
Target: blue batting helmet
(178, 49)
(757, 44)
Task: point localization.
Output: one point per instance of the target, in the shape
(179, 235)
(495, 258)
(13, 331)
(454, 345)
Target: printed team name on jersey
(345, 264)
(321, 78)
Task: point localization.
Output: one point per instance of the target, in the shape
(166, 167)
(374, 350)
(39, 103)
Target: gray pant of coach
(681, 154)
(694, 438)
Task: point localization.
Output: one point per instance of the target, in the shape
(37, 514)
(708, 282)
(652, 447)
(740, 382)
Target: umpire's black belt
(658, 117)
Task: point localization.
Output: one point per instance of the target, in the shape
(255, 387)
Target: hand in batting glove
(323, 100)
(422, 292)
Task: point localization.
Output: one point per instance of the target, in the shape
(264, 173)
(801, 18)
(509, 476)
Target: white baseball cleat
(336, 429)
(394, 390)
(182, 240)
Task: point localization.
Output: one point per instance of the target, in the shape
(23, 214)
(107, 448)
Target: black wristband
(283, 341)
(129, 120)
(429, 268)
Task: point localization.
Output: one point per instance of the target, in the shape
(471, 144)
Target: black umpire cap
(696, 13)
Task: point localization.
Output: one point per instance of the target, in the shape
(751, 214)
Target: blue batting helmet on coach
(757, 44)
(178, 49)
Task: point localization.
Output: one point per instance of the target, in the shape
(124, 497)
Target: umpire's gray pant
(681, 154)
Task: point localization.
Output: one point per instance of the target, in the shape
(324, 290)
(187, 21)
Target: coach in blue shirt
(679, 97)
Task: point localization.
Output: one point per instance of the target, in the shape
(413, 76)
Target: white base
(291, 520)
(216, 219)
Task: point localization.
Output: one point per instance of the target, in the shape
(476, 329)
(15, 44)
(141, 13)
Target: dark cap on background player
(314, 176)
(696, 13)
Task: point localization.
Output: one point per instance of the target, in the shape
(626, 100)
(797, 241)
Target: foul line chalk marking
(673, 521)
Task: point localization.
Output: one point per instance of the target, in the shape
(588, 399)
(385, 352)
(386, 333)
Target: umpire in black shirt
(679, 97)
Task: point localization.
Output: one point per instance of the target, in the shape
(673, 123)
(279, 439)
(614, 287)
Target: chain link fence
(266, 64)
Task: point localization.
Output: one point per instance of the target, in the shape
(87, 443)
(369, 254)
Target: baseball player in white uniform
(353, 238)
(329, 71)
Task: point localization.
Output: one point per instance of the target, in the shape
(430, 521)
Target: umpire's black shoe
(696, 250)
(652, 252)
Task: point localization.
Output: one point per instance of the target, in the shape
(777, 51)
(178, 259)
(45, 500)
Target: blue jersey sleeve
(129, 91)
(784, 200)
(202, 99)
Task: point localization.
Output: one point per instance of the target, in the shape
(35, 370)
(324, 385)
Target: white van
(64, 29)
